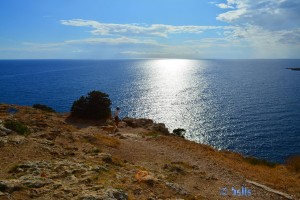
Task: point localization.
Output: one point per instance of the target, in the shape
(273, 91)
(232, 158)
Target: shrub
(3, 187)
(43, 107)
(293, 163)
(17, 127)
(179, 132)
(94, 106)
(257, 161)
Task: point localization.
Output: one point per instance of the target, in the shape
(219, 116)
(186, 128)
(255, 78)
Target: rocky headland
(56, 157)
(295, 69)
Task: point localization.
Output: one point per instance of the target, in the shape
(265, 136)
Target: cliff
(59, 158)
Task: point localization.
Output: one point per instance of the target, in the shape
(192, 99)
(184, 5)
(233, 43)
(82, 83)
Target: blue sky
(121, 29)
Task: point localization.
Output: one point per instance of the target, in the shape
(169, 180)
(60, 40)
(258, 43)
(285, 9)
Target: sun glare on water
(172, 91)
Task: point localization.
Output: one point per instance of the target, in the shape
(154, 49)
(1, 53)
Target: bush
(293, 163)
(94, 106)
(43, 107)
(179, 132)
(257, 161)
(17, 127)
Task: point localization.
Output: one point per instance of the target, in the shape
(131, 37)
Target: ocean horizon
(250, 106)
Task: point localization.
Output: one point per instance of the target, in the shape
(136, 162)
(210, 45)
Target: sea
(246, 106)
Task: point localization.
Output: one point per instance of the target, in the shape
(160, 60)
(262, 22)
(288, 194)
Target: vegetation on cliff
(96, 105)
(79, 159)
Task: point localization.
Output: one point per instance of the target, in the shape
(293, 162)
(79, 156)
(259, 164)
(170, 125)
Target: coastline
(294, 69)
(138, 162)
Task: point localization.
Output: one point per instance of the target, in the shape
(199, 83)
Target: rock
(135, 123)
(34, 182)
(116, 194)
(177, 188)
(120, 195)
(2, 194)
(130, 122)
(146, 123)
(3, 141)
(90, 197)
(160, 127)
(17, 139)
(106, 157)
(144, 176)
(5, 130)
(100, 169)
(10, 185)
(122, 124)
(2, 133)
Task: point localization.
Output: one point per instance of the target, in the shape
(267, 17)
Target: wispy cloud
(161, 30)
(270, 28)
(224, 6)
(92, 41)
(270, 14)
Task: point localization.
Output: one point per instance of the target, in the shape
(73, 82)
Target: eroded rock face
(146, 123)
(60, 178)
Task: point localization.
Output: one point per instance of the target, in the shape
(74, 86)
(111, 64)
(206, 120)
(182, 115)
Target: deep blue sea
(248, 106)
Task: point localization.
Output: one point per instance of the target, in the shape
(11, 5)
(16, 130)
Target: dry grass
(277, 177)
(101, 139)
(150, 134)
(108, 141)
(293, 163)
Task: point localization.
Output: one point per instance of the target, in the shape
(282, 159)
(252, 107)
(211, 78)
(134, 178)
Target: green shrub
(94, 106)
(179, 132)
(43, 107)
(17, 127)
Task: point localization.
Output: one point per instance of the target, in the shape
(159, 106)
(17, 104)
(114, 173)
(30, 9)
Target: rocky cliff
(50, 156)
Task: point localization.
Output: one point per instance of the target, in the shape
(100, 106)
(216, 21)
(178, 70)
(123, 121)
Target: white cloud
(92, 41)
(270, 14)
(160, 30)
(112, 41)
(224, 6)
(268, 27)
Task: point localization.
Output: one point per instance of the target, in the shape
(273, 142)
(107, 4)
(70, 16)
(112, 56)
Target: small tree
(179, 132)
(94, 106)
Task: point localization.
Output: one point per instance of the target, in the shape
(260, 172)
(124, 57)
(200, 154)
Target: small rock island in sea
(295, 69)
(47, 155)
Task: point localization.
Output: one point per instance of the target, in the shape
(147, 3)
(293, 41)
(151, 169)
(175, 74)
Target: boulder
(4, 130)
(160, 127)
(179, 189)
(17, 139)
(116, 194)
(146, 123)
(10, 185)
(3, 141)
(2, 133)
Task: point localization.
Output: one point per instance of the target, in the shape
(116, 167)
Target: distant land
(296, 69)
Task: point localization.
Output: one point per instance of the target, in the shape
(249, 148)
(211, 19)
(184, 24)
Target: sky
(129, 29)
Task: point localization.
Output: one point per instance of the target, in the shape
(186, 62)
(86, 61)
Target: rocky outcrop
(4, 131)
(63, 159)
(295, 69)
(147, 124)
(60, 179)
